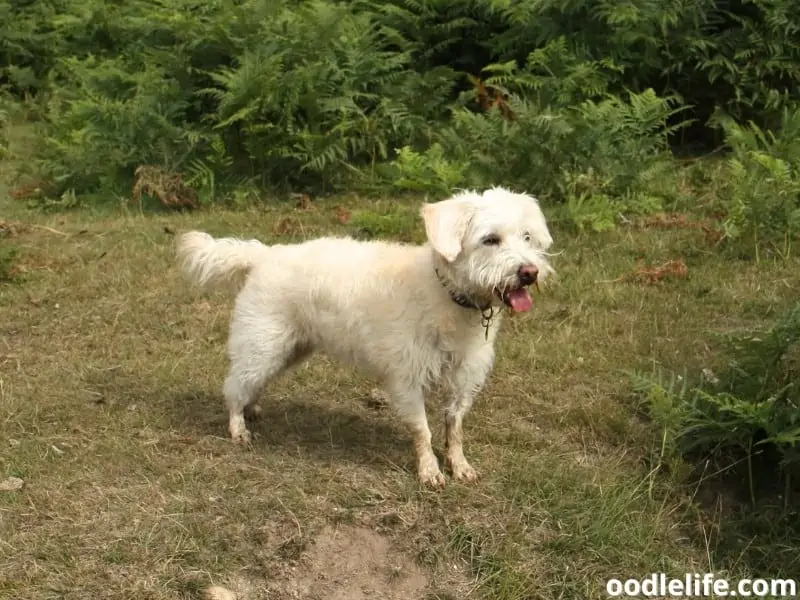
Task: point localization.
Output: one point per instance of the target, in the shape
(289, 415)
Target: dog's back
(207, 261)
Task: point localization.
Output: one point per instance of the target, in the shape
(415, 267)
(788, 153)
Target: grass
(110, 377)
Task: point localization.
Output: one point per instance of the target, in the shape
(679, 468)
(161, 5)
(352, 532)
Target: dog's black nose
(527, 274)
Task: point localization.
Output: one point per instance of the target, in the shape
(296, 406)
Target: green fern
(762, 187)
(317, 95)
(754, 402)
(430, 171)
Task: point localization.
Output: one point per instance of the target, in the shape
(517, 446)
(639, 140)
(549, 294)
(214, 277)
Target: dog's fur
(385, 308)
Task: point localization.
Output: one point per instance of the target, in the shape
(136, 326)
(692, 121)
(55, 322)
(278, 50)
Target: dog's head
(490, 246)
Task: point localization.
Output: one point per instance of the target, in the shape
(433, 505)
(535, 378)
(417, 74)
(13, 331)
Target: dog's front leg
(466, 382)
(410, 404)
(456, 461)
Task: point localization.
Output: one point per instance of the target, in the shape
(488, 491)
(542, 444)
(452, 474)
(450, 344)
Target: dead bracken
(168, 187)
(673, 269)
(710, 229)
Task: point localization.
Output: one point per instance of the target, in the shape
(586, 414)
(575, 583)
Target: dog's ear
(445, 225)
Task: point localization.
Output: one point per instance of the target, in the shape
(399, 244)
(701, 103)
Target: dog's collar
(487, 311)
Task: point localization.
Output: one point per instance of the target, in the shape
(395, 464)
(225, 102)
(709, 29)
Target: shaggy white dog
(409, 316)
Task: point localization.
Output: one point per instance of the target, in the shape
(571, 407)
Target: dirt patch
(350, 563)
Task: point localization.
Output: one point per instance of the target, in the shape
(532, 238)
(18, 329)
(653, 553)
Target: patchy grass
(111, 412)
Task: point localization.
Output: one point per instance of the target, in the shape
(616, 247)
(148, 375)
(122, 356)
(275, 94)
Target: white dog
(410, 316)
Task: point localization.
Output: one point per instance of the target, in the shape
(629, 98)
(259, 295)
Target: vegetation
(752, 406)
(663, 139)
(575, 102)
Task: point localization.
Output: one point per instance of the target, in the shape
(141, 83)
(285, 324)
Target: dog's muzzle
(528, 274)
(519, 298)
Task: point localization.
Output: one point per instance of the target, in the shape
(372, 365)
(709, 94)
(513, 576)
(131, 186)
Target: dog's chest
(456, 336)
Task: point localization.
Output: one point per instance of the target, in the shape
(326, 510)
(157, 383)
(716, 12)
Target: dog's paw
(241, 436)
(433, 479)
(463, 471)
(430, 475)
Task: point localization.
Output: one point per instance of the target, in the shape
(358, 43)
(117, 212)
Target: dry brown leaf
(287, 225)
(12, 484)
(303, 201)
(217, 592)
(342, 215)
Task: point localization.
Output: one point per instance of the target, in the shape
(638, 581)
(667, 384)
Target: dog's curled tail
(207, 262)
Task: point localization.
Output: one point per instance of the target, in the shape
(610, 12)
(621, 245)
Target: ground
(111, 414)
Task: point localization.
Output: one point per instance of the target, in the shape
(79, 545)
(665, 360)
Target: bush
(740, 59)
(611, 146)
(430, 171)
(761, 187)
(753, 404)
(305, 97)
(576, 102)
(114, 119)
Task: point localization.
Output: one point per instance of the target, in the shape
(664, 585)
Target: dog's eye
(491, 240)
(526, 236)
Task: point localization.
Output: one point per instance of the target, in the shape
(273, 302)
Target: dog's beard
(491, 285)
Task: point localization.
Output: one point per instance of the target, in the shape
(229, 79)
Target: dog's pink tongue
(520, 300)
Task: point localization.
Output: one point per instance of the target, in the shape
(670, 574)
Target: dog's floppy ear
(445, 225)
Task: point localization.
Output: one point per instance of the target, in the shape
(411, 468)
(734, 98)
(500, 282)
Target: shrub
(321, 99)
(430, 171)
(573, 101)
(761, 189)
(309, 97)
(114, 119)
(735, 58)
(753, 404)
(610, 147)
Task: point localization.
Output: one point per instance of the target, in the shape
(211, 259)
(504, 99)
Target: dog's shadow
(327, 432)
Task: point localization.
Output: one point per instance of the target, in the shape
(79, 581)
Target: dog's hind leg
(257, 352)
(240, 391)
(409, 402)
